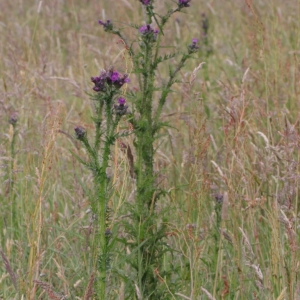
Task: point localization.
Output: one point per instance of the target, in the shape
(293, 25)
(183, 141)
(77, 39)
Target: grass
(230, 160)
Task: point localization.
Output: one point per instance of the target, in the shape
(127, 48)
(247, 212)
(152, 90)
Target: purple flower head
(184, 3)
(110, 78)
(148, 33)
(108, 25)
(193, 47)
(144, 29)
(121, 101)
(100, 82)
(145, 2)
(120, 80)
(80, 132)
(115, 76)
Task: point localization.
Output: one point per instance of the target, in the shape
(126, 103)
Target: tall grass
(229, 161)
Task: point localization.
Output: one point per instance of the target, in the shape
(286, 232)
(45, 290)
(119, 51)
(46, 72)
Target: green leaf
(162, 59)
(79, 159)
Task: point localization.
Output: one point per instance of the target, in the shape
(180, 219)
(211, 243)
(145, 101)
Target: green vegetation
(223, 187)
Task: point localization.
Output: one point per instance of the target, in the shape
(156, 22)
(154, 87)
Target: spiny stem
(166, 90)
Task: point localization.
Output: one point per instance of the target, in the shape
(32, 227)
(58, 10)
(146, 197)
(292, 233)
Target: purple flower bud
(109, 78)
(184, 3)
(145, 2)
(126, 79)
(99, 82)
(121, 109)
(193, 47)
(114, 76)
(144, 29)
(108, 232)
(13, 119)
(121, 81)
(108, 25)
(148, 33)
(80, 132)
(121, 101)
(95, 79)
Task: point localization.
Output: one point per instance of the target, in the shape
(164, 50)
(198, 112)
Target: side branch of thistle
(107, 86)
(167, 88)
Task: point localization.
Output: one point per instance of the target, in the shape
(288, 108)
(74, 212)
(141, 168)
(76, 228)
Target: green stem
(144, 173)
(103, 182)
(14, 222)
(101, 215)
(98, 123)
(166, 90)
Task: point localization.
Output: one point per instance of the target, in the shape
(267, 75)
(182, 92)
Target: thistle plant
(109, 109)
(147, 107)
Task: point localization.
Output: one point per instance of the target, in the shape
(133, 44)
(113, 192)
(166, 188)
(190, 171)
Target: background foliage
(230, 161)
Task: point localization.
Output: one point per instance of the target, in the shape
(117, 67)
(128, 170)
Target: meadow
(227, 162)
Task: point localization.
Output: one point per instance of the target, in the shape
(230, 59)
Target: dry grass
(231, 165)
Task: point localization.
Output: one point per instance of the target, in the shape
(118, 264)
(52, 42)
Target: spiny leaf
(136, 26)
(162, 58)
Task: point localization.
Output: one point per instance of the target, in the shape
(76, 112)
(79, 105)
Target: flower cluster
(148, 33)
(108, 25)
(193, 47)
(145, 2)
(184, 3)
(109, 78)
(121, 109)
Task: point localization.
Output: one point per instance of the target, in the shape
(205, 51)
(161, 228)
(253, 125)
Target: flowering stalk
(107, 88)
(147, 123)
